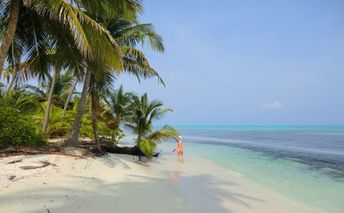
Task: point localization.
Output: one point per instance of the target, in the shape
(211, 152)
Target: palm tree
(131, 34)
(57, 85)
(59, 123)
(21, 100)
(140, 69)
(128, 36)
(37, 22)
(49, 101)
(125, 9)
(118, 109)
(141, 123)
(53, 89)
(70, 94)
(11, 28)
(100, 87)
(33, 27)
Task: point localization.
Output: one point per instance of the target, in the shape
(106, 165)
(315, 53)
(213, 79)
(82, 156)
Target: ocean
(303, 163)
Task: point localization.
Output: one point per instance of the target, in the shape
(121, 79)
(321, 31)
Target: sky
(248, 62)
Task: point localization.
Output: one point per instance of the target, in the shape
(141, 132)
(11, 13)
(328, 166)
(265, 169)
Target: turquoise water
(304, 163)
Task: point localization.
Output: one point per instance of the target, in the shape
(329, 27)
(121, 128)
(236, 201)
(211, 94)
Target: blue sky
(248, 62)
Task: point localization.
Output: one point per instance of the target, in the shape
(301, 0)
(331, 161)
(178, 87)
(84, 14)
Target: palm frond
(167, 132)
(147, 146)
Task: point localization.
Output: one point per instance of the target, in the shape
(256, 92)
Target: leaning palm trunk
(72, 89)
(50, 99)
(9, 34)
(73, 138)
(94, 118)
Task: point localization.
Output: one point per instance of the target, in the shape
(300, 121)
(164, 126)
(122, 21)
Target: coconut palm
(129, 35)
(21, 100)
(53, 90)
(41, 25)
(141, 123)
(47, 20)
(59, 124)
(129, 11)
(118, 110)
(100, 86)
(70, 94)
(134, 61)
(58, 86)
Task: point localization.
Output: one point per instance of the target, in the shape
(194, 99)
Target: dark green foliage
(17, 129)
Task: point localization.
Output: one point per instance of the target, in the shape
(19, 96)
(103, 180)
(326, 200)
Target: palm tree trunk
(73, 138)
(116, 125)
(94, 118)
(9, 35)
(50, 99)
(72, 89)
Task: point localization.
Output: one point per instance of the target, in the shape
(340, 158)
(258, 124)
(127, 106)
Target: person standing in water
(180, 149)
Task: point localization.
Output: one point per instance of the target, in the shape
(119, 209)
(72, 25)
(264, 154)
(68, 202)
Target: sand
(119, 183)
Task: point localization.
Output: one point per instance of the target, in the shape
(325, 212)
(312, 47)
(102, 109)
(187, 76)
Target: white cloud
(273, 105)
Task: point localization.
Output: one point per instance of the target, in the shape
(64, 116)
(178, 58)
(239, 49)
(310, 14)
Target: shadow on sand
(176, 193)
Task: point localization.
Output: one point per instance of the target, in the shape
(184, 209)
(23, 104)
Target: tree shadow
(112, 161)
(178, 192)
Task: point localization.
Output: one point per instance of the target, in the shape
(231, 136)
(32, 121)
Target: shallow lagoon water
(302, 163)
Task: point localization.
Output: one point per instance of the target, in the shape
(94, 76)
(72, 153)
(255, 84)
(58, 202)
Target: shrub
(17, 129)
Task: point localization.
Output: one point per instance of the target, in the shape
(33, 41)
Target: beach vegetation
(17, 129)
(60, 44)
(143, 114)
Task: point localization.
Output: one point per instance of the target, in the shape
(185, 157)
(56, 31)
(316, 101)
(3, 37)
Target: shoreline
(123, 184)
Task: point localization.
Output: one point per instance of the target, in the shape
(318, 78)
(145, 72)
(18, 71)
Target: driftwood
(8, 149)
(125, 150)
(44, 164)
(11, 177)
(91, 146)
(32, 151)
(15, 161)
(11, 151)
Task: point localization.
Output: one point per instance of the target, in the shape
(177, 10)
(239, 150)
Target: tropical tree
(118, 110)
(32, 28)
(141, 123)
(125, 9)
(126, 37)
(129, 35)
(21, 100)
(70, 94)
(50, 99)
(59, 124)
(12, 20)
(37, 22)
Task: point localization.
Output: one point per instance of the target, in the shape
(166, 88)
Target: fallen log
(8, 149)
(105, 148)
(125, 150)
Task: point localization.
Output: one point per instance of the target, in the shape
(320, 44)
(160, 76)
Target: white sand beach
(119, 183)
